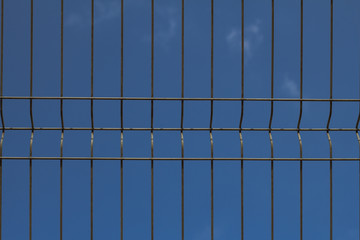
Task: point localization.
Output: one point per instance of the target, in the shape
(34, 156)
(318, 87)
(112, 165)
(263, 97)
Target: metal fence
(181, 129)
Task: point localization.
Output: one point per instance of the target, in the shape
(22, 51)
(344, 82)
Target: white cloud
(166, 19)
(347, 234)
(74, 19)
(290, 87)
(205, 232)
(167, 32)
(103, 11)
(107, 11)
(252, 38)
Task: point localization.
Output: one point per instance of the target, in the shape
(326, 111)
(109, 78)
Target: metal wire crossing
(181, 129)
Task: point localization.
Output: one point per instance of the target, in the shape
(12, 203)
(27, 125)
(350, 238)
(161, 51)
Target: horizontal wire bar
(179, 158)
(173, 129)
(186, 99)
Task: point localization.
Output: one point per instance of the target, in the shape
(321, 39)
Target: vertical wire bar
(241, 120)
(270, 121)
(299, 121)
(182, 120)
(1, 108)
(31, 117)
(122, 124)
(329, 119)
(62, 116)
(211, 119)
(92, 126)
(152, 120)
(358, 138)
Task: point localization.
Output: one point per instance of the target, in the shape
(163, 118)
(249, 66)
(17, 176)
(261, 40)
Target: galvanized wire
(31, 116)
(271, 117)
(92, 127)
(241, 120)
(182, 118)
(329, 119)
(184, 99)
(152, 118)
(211, 121)
(300, 115)
(61, 115)
(179, 129)
(1, 110)
(122, 124)
(185, 158)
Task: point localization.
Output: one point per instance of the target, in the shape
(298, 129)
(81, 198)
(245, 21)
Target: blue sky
(167, 83)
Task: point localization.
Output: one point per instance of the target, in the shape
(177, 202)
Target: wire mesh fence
(243, 103)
